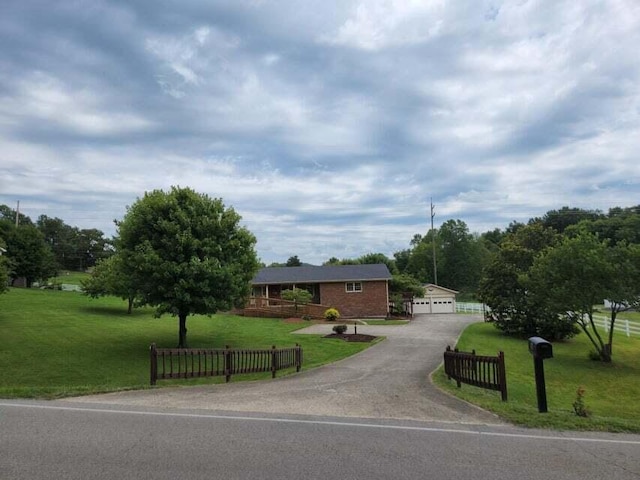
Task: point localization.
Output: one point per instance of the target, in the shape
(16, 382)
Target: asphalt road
(390, 380)
(66, 440)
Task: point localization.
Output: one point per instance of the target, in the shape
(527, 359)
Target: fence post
(274, 360)
(298, 357)
(502, 373)
(153, 357)
(626, 322)
(457, 362)
(228, 368)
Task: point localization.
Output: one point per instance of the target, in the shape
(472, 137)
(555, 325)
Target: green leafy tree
(578, 274)
(73, 248)
(463, 256)
(561, 219)
(513, 308)
(420, 261)
(110, 277)
(378, 258)
(401, 287)
(403, 284)
(293, 262)
(619, 225)
(332, 261)
(28, 254)
(298, 296)
(187, 254)
(7, 214)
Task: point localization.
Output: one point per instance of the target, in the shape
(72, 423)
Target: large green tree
(187, 254)
(575, 276)
(28, 254)
(513, 308)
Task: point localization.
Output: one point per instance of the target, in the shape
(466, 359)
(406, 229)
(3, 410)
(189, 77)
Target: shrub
(331, 314)
(306, 317)
(579, 408)
(340, 329)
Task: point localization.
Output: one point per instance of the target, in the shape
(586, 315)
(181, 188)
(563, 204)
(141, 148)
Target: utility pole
(18, 214)
(433, 243)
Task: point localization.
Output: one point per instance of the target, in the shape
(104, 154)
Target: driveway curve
(389, 380)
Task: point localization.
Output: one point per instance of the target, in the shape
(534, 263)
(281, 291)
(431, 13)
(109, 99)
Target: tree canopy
(28, 255)
(110, 277)
(578, 274)
(187, 254)
(513, 308)
(293, 261)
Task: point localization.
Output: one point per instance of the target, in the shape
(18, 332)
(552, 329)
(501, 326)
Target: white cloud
(46, 100)
(389, 23)
(327, 128)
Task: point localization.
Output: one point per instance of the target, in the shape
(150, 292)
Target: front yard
(59, 343)
(611, 390)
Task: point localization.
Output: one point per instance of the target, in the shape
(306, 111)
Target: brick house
(355, 290)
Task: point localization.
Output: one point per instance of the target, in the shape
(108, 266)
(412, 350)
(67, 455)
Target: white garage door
(434, 305)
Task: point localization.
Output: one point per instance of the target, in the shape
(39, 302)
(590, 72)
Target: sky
(328, 126)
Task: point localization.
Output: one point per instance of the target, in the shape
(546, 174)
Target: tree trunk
(605, 353)
(130, 307)
(182, 336)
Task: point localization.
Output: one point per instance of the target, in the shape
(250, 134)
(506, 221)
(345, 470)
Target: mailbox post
(540, 349)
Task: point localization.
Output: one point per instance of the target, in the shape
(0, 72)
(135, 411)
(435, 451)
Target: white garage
(437, 300)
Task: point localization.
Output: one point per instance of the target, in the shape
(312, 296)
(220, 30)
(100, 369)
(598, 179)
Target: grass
(69, 277)
(386, 322)
(57, 343)
(611, 390)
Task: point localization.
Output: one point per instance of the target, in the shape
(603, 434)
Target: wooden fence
(478, 370)
(168, 363)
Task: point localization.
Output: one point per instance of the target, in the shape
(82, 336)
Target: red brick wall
(372, 301)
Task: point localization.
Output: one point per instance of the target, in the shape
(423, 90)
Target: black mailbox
(540, 348)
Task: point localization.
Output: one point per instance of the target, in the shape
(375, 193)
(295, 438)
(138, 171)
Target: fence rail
(168, 363)
(468, 307)
(277, 307)
(629, 327)
(478, 370)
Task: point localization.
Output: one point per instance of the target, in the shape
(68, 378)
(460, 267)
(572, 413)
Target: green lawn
(386, 322)
(69, 277)
(611, 390)
(57, 343)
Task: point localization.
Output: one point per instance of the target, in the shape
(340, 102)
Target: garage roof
(323, 274)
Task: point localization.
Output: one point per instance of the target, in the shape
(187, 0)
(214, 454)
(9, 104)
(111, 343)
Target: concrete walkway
(389, 380)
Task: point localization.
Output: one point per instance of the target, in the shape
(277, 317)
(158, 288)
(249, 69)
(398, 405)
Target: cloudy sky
(327, 125)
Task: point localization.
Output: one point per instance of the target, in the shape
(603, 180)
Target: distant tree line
(37, 251)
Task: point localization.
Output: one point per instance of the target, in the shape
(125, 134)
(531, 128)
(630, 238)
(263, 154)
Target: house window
(354, 286)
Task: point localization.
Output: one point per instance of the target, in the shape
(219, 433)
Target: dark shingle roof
(324, 274)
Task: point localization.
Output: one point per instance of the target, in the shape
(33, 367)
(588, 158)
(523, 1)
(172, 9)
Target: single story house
(355, 290)
(437, 299)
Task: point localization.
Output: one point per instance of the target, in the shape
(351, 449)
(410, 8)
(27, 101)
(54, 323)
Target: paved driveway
(389, 380)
